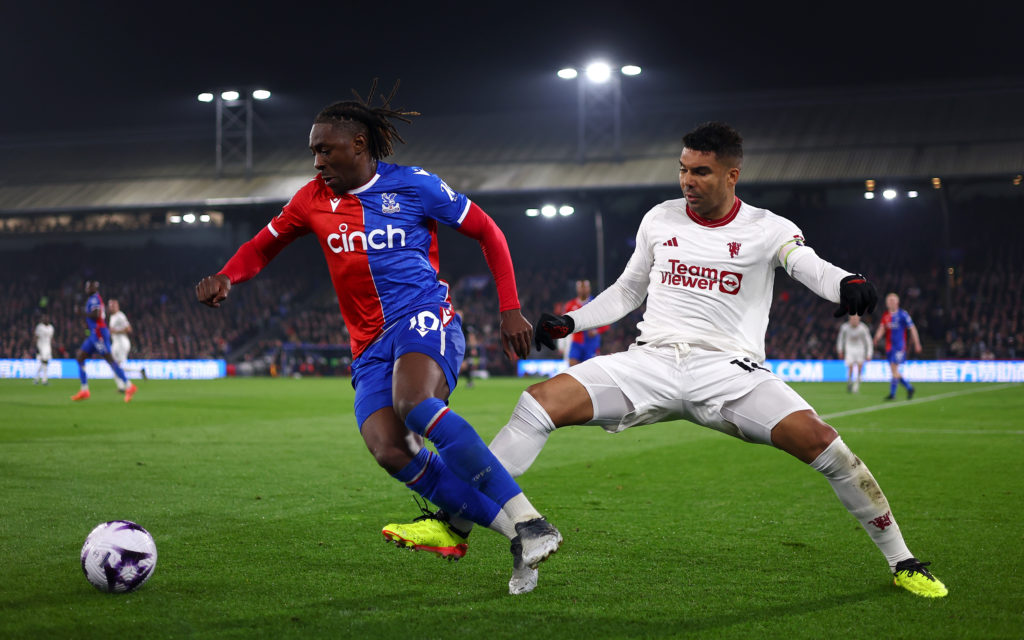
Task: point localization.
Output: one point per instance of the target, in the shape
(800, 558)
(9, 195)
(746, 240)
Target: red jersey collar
(721, 222)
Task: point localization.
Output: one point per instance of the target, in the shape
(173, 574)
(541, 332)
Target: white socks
(863, 498)
(519, 443)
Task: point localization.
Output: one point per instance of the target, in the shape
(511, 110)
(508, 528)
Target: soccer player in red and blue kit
(376, 224)
(97, 342)
(585, 344)
(895, 325)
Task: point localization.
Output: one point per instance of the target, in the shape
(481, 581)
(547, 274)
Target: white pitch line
(903, 403)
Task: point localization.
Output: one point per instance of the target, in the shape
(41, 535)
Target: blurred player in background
(854, 346)
(895, 325)
(706, 265)
(585, 345)
(44, 351)
(376, 224)
(97, 342)
(120, 344)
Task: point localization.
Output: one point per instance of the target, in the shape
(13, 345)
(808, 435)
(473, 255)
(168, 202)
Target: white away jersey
(855, 340)
(118, 322)
(709, 283)
(44, 334)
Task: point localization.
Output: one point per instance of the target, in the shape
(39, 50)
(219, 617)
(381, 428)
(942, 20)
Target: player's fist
(857, 296)
(550, 328)
(212, 290)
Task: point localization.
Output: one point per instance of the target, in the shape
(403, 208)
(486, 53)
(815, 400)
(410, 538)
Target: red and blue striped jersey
(95, 324)
(380, 242)
(896, 325)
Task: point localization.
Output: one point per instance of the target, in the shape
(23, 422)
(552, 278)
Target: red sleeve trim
(252, 256)
(479, 226)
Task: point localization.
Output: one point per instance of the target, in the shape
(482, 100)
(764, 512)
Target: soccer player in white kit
(120, 344)
(855, 346)
(706, 264)
(44, 351)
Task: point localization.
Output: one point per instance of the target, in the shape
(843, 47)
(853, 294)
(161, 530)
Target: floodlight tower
(234, 127)
(599, 108)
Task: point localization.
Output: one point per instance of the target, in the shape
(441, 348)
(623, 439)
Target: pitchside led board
(874, 371)
(155, 369)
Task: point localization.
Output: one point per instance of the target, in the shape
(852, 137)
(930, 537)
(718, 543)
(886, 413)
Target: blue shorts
(581, 351)
(896, 357)
(97, 345)
(419, 332)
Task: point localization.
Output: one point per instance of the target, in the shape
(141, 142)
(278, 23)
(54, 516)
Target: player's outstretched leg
(859, 492)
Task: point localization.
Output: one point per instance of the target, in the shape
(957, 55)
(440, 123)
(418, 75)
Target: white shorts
(119, 351)
(856, 357)
(45, 354)
(724, 391)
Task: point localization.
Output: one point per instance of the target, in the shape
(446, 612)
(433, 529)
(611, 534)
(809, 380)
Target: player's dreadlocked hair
(375, 122)
(721, 139)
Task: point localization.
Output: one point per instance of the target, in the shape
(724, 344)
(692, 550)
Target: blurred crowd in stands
(286, 321)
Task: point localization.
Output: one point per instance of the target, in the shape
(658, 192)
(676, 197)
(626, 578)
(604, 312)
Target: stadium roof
(793, 138)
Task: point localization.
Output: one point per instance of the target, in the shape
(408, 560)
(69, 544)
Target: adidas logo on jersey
(671, 243)
(373, 239)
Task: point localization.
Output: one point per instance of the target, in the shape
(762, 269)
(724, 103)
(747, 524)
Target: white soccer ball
(118, 556)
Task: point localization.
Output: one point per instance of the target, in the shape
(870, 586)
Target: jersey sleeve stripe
(465, 212)
(270, 227)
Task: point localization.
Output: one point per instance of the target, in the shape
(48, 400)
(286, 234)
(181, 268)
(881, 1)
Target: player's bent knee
(803, 434)
(565, 400)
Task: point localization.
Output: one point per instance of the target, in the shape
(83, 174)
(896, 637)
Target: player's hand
(212, 290)
(515, 333)
(550, 328)
(857, 296)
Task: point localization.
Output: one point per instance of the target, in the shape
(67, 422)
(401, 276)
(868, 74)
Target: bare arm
(915, 339)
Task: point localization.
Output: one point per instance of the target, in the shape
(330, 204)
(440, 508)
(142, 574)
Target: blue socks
(895, 382)
(428, 476)
(118, 371)
(462, 450)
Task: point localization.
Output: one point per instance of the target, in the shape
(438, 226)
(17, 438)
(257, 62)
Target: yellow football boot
(912, 576)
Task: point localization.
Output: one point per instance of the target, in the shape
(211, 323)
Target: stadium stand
(117, 217)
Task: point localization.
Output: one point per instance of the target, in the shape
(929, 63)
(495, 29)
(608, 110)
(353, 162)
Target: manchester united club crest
(734, 249)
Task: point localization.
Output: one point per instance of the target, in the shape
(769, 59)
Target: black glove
(550, 328)
(857, 296)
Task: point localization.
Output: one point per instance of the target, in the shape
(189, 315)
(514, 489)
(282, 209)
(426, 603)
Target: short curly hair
(719, 138)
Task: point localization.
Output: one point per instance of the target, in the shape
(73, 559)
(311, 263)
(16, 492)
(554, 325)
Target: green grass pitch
(267, 509)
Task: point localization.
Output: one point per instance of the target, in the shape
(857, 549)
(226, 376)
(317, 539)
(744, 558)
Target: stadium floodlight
(912, 194)
(532, 213)
(260, 94)
(869, 195)
(229, 96)
(205, 97)
(889, 194)
(599, 72)
(630, 70)
(204, 218)
(568, 73)
(174, 219)
(566, 210)
(189, 218)
(548, 211)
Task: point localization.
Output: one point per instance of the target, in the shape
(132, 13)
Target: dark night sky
(82, 66)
